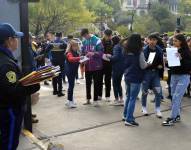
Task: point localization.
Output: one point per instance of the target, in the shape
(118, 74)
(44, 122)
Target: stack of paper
(42, 74)
(84, 59)
(172, 58)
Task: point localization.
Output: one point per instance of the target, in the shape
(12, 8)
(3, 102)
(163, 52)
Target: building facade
(141, 6)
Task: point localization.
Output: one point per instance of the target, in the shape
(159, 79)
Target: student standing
(152, 75)
(107, 66)
(117, 60)
(134, 63)
(180, 78)
(93, 49)
(71, 66)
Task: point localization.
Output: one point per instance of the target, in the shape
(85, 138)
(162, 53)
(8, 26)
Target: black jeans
(10, 127)
(57, 81)
(106, 76)
(92, 75)
(117, 88)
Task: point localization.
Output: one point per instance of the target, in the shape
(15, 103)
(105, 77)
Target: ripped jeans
(179, 84)
(151, 81)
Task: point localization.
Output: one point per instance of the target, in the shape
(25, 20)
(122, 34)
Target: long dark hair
(134, 44)
(182, 39)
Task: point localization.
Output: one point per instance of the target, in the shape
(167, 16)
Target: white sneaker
(144, 111)
(72, 104)
(78, 81)
(121, 102)
(96, 104)
(108, 99)
(158, 113)
(115, 103)
(67, 103)
(99, 98)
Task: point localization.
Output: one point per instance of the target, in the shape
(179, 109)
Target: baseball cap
(7, 30)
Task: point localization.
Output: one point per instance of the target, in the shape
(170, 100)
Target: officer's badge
(11, 76)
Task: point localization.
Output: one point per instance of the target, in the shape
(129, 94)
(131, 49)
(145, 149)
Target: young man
(58, 49)
(107, 65)
(152, 75)
(93, 49)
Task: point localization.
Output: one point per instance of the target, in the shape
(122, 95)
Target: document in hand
(84, 59)
(151, 57)
(42, 74)
(173, 60)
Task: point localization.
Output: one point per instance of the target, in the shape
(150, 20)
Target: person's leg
(108, 82)
(133, 93)
(156, 86)
(60, 77)
(88, 76)
(145, 87)
(54, 84)
(119, 86)
(127, 100)
(115, 85)
(182, 82)
(96, 75)
(10, 128)
(71, 82)
(100, 91)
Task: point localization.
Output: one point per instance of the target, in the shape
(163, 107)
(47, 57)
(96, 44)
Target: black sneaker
(177, 119)
(60, 94)
(168, 122)
(133, 124)
(55, 92)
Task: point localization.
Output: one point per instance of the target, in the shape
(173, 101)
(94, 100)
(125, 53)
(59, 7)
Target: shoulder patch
(11, 76)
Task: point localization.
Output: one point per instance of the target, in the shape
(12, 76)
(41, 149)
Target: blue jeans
(179, 84)
(71, 82)
(132, 92)
(151, 81)
(117, 88)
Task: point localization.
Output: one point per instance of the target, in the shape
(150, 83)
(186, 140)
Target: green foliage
(145, 25)
(123, 30)
(58, 15)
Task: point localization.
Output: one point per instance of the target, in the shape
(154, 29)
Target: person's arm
(72, 59)
(116, 54)
(10, 85)
(143, 64)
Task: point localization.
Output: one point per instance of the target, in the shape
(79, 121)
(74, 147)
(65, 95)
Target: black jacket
(185, 63)
(12, 93)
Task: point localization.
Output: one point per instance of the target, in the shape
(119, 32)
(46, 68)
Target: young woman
(134, 63)
(117, 70)
(180, 78)
(71, 66)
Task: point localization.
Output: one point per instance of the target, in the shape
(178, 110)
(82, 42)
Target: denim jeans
(179, 84)
(71, 82)
(151, 81)
(117, 88)
(132, 92)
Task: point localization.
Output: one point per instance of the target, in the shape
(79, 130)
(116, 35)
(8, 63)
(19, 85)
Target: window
(129, 2)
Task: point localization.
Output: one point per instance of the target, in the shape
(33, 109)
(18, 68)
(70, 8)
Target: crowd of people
(103, 62)
(112, 57)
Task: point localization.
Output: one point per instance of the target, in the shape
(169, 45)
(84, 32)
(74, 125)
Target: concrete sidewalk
(89, 128)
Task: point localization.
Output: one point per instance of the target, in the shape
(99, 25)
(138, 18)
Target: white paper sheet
(173, 60)
(151, 57)
(84, 59)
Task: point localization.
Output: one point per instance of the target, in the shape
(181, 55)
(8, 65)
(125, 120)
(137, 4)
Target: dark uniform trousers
(57, 81)
(10, 125)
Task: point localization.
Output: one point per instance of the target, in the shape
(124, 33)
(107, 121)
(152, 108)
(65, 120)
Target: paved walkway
(89, 128)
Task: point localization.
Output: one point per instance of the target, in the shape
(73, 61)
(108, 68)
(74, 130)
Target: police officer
(58, 49)
(12, 93)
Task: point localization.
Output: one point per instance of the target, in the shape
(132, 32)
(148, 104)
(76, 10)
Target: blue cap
(7, 30)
